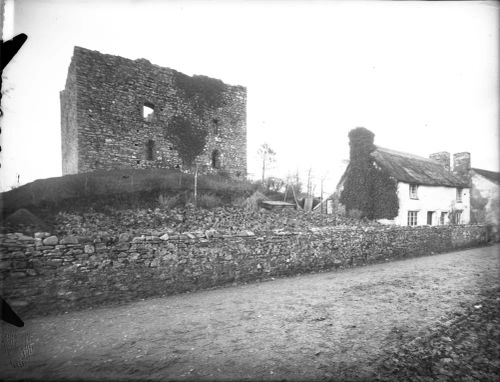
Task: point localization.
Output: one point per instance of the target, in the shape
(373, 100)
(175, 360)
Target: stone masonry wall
(110, 131)
(45, 274)
(69, 133)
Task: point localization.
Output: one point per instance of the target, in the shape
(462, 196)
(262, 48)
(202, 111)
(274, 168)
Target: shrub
(355, 214)
(169, 202)
(209, 201)
(252, 203)
(239, 201)
(339, 210)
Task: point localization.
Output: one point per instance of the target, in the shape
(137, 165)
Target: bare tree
(309, 182)
(274, 184)
(324, 175)
(293, 183)
(268, 156)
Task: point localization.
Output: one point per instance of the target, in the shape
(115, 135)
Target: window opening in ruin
(215, 122)
(216, 159)
(148, 111)
(150, 144)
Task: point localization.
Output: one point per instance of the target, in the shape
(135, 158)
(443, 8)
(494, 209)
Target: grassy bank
(117, 188)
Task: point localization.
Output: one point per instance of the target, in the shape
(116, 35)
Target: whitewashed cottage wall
(430, 198)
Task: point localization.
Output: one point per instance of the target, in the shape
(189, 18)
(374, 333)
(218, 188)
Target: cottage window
(459, 195)
(458, 217)
(413, 191)
(412, 218)
(148, 111)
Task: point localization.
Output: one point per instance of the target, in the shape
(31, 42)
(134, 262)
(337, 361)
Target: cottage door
(429, 217)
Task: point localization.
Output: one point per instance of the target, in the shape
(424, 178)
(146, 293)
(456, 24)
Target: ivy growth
(368, 188)
(384, 197)
(478, 207)
(202, 90)
(356, 193)
(188, 138)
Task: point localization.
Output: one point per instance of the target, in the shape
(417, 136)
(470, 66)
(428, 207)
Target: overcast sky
(422, 76)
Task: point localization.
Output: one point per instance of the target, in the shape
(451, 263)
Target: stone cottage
(485, 206)
(484, 186)
(123, 113)
(427, 192)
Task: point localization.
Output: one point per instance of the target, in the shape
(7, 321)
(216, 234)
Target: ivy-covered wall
(103, 126)
(485, 200)
(368, 188)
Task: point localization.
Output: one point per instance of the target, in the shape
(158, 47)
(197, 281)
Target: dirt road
(302, 328)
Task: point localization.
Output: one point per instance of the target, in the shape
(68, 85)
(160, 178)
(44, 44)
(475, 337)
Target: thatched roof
(411, 168)
(490, 175)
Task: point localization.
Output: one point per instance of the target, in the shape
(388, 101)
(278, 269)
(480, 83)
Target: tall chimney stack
(442, 157)
(361, 144)
(461, 163)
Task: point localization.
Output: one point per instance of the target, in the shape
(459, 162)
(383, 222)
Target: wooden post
(263, 167)
(308, 202)
(295, 198)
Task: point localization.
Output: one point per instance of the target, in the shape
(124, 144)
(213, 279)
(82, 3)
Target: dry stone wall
(46, 274)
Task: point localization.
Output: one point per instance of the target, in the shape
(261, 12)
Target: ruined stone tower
(119, 113)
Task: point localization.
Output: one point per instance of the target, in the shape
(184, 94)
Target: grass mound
(117, 188)
(25, 221)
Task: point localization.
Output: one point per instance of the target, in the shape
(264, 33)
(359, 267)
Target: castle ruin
(122, 113)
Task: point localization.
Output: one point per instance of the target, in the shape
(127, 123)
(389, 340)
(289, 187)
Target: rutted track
(301, 328)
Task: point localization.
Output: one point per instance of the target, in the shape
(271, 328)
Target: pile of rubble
(224, 220)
